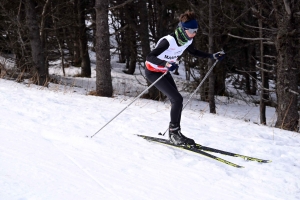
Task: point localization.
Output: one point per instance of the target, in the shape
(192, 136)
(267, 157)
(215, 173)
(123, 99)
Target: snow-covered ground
(45, 154)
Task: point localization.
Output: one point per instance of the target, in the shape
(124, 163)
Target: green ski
(189, 148)
(204, 149)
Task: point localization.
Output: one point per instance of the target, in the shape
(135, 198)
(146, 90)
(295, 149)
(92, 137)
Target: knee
(178, 99)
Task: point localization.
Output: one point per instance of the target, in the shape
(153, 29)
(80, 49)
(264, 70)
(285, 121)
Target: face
(191, 35)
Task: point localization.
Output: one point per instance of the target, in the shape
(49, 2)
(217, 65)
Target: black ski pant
(168, 87)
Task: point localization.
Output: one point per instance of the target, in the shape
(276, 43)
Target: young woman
(163, 58)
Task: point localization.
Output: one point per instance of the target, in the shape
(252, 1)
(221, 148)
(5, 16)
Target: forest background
(261, 39)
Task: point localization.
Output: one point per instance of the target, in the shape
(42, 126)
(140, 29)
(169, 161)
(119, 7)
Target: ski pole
(205, 77)
(200, 84)
(130, 103)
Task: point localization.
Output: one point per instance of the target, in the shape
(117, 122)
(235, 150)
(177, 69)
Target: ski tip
(265, 161)
(235, 165)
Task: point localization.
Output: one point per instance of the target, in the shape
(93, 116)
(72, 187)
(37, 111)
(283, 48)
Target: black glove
(171, 66)
(218, 56)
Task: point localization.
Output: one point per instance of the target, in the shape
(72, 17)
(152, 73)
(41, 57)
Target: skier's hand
(171, 66)
(218, 56)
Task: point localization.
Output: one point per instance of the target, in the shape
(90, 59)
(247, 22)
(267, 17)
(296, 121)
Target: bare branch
(258, 14)
(269, 43)
(287, 6)
(259, 63)
(291, 91)
(269, 56)
(120, 5)
(120, 30)
(43, 20)
(253, 39)
(261, 87)
(269, 71)
(237, 18)
(267, 29)
(245, 71)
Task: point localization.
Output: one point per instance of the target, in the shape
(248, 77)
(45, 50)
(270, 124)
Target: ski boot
(177, 138)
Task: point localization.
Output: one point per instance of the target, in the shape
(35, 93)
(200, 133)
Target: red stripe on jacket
(159, 68)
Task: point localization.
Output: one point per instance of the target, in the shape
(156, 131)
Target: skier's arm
(198, 53)
(161, 47)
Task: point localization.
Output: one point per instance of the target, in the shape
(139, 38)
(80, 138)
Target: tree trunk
(262, 104)
(131, 38)
(143, 28)
(205, 87)
(39, 69)
(93, 17)
(75, 35)
(132, 50)
(286, 45)
(212, 77)
(84, 53)
(121, 38)
(103, 69)
(153, 92)
(143, 31)
(253, 73)
(248, 68)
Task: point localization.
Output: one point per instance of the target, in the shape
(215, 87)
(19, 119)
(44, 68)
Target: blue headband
(192, 24)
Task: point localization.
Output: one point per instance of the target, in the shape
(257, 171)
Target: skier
(163, 58)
